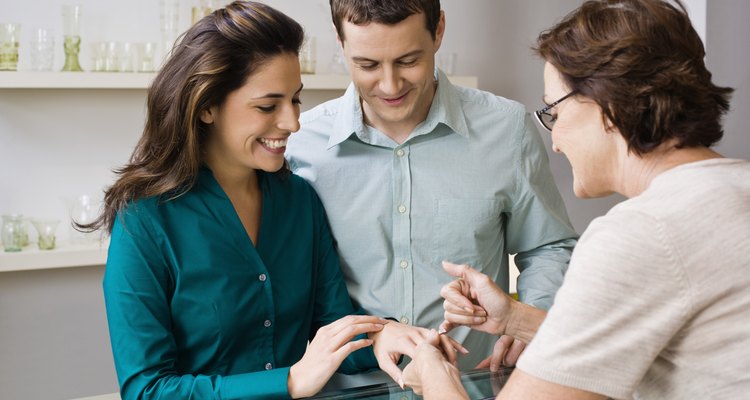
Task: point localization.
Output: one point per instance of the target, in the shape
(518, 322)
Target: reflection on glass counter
(480, 384)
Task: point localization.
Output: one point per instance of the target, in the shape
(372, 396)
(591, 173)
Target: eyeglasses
(546, 119)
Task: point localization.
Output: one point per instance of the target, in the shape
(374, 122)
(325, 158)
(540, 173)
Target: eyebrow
(407, 55)
(278, 95)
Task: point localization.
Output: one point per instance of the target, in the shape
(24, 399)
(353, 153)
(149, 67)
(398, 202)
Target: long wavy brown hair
(210, 60)
(642, 62)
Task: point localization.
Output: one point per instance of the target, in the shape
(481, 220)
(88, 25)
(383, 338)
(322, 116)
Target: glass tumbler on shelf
(13, 232)
(9, 39)
(42, 50)
(145, 53)
(170, 29)
(71, 14)
(45, 228)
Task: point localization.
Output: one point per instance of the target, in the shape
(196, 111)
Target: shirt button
(268, 366)
(404, 320)
(404, 264)
(262, 277)
(400, 152)
(267, 323)
(402, 209)
(404, 398)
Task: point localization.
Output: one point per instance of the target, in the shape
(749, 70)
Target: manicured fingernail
(479, 320)
(441, 331)
(401, 382)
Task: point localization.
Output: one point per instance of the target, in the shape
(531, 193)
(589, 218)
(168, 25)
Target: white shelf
(63, 256)
(74, 80)
(130, 80)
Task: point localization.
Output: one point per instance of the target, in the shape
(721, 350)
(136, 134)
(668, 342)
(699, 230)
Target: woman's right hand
(474, 300)
(328, 349)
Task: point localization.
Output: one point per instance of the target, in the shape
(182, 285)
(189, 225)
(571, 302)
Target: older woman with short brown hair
(656, 302)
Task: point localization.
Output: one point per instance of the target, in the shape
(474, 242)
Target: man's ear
(439, 31)
(207, 115)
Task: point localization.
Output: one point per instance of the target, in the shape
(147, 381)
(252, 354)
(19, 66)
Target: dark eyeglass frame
(545, 111)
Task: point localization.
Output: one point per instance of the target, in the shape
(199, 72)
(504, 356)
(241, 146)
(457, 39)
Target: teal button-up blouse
(195, 310)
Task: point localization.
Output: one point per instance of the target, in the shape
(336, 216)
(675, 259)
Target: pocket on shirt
(465, 230)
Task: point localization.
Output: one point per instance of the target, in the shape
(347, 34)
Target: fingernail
(441, 331)
(401, 382)
(479, 320)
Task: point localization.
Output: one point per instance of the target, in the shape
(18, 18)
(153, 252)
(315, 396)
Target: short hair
(388, 12)
(642, 62)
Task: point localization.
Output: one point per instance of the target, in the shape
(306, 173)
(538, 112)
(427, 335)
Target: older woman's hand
(474, 300)
(430, 374)
(396, 339)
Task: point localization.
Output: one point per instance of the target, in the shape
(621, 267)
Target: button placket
(403, 301)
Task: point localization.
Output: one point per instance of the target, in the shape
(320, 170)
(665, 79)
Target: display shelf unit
(126, 80)
(65, 255)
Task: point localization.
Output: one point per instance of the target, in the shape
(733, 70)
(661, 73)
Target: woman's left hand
(397, 339)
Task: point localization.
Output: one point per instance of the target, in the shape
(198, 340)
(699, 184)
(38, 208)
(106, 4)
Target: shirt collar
(445, 109)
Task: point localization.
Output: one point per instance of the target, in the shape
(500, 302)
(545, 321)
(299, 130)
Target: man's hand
(474, 300)
(328, 349)
(397, 339)
(506, 352)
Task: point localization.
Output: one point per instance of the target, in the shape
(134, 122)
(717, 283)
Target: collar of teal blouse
(446, 109)
(207, 181)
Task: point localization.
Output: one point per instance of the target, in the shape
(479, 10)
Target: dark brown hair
(211, 59)
(388, 12)
(642, 62)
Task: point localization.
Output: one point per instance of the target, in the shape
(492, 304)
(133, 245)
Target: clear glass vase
(45, 228)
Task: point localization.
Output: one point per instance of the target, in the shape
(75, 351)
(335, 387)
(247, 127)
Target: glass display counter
(480, 384)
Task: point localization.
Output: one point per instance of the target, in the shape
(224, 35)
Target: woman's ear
(207, 115)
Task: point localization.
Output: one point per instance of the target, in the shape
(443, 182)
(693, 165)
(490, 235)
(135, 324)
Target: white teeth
(273, 144)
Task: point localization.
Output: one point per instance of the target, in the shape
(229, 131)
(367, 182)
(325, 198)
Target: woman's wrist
(293, 383)
(523, 321)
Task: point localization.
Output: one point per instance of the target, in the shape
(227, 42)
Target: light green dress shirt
(471, 184)
(196, 311)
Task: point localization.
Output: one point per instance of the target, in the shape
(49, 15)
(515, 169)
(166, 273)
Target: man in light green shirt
(413, 171)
